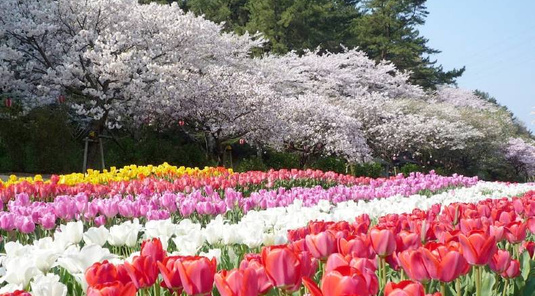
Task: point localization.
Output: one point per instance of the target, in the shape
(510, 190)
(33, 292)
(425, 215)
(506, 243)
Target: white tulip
(19, 270)
(71, 233)
(213, 253)
(97, 236)
(77, 261)
(125, 234)
(48, 285)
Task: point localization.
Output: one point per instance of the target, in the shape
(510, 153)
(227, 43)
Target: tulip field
(166, 230)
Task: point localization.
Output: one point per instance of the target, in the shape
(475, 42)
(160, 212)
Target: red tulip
(467, 225)
(321, 245)
(336, 260)
(170, 274)
(344, 281)
(362, 224)
(383, 241)
(122, 274)
(531, 224)
(112, 289)
(512, 271)
(282, 267)
(515, 232)
(312, 287)
(528, 246)
(500, 261)
(358, 246)
(17, 293)
(154, 249)
(498, 231)
(309, 264)
(143, 271)
(197, 274)
(404, 288)
(406, 240)
(477, 247)
(253, 261)
(237, 282)
(451, 263)
(101, 273)
(414, 265)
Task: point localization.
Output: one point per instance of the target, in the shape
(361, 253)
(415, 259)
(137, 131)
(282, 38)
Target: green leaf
(488, 281)
(529, 288)
(525, 264)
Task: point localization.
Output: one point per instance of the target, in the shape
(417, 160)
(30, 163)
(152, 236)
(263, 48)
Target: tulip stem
(505, 287)
(383, 270)
(458, 286)
(157, 288)
(478, 280)
(443, 288)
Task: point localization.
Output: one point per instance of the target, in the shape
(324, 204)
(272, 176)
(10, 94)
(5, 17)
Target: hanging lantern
(61, 99)
(242, 141)
(181, 122)
(8, 102)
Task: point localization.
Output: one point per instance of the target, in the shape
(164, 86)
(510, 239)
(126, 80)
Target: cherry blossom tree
(521, 154)
(122, 62)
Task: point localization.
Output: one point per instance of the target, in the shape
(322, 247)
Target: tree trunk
(94, 156)
(214, 149)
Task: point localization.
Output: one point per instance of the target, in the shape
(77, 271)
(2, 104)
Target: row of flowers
(246, 182)
(126, 173)
(25, 215)
(72, 251)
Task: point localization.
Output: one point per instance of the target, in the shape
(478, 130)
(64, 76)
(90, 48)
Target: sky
(495, 40)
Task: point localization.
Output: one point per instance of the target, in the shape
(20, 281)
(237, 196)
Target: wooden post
(101, 153)
(84, 169)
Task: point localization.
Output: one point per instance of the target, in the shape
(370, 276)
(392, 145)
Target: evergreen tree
(287, 24)
(388, 31)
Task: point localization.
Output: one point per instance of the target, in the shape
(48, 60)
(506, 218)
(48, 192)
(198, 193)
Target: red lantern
(242, 141)
(61, 99)
(8, 102)
(181, 122)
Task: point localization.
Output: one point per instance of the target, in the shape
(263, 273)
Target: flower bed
(24, 215)
(71, 250)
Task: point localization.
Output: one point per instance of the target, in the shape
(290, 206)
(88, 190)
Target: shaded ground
(5, 176)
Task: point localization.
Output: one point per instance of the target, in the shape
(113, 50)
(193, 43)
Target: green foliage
(372, 169)
(408, 168)
(287, 24)
(39, 141)
(280, 160)
(330, 163)
(388, 31)
(251, 164)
